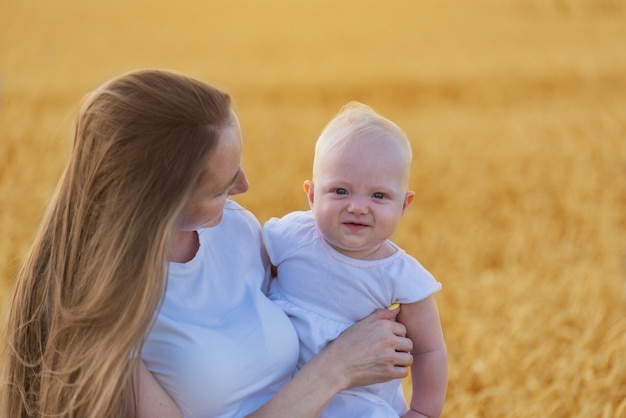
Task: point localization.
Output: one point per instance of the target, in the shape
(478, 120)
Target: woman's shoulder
(237, 220)
(237, 212)
(236, 215)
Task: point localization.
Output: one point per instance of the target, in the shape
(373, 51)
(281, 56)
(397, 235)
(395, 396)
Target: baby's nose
(358, 205)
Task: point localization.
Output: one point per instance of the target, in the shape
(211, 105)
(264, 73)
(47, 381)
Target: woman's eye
(378, 195)
(222, 193)
(341, 191)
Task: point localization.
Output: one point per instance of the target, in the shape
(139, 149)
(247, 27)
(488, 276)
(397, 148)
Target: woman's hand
(372, 350)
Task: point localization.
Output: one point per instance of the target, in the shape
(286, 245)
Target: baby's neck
(378, 252)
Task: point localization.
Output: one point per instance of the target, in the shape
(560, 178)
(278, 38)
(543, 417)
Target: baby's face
(359, 196)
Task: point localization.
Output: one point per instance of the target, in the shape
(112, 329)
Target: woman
(156, 155)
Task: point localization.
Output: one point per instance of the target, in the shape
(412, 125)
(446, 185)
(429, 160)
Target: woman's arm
(152, 400)
(429, 371)
(371, 351)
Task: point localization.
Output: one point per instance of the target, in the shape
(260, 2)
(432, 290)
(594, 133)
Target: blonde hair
(96, 272)
(359, 123)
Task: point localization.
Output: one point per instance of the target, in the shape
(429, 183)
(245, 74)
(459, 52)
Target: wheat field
(516, 111)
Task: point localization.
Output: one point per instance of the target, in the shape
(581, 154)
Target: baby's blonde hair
(358, 122)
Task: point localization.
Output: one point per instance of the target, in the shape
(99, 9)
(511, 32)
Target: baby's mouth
(355, 225)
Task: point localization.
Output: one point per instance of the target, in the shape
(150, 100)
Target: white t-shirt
(324, 292)
(218, 346)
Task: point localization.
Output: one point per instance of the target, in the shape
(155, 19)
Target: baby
(335, 263)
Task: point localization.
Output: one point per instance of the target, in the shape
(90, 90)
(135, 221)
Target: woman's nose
(241, 184)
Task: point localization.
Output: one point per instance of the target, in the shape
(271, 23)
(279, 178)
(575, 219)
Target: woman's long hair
(96, 272)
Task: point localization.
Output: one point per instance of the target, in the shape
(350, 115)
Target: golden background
(516, 110)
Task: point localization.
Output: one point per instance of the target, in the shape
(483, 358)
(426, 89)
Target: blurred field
(516, 110)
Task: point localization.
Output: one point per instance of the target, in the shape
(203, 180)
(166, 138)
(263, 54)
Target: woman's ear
(310, 193)
(408, 198)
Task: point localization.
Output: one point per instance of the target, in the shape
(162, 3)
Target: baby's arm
(429, 372)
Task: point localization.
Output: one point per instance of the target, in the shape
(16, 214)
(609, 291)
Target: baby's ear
(310, 193)
(408, 198)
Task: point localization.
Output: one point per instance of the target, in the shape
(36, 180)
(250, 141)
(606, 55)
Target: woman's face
(221, 178)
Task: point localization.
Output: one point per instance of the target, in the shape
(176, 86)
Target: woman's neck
(185, 247)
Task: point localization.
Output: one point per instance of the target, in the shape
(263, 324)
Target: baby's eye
(341, 191)
(378, 195)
